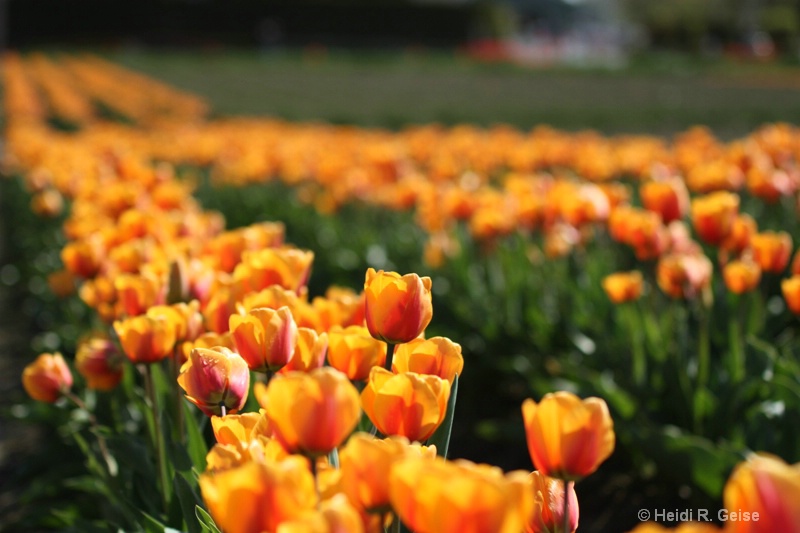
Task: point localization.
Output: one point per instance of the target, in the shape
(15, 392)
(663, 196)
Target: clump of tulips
(333, 413)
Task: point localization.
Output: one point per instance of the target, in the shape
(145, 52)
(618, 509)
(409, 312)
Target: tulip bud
(548, 514)
(215, 378)
(398, 308)
(47, 378)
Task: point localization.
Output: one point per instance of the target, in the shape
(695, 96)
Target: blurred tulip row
(333, 413)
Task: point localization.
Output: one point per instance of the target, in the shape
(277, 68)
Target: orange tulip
(241, 439)
(145, 339)
(309, 353)
(791, 293)
(741, 276)
(287, 267)
(214, 379)
(669, 199)
(185, 317)
(354, 351)
(258, 497)
(99, 362)
(411, 405)
(47, 378)
(568, 437)
(335, 515)
(365, 466)
(713, 215)
(265, 338)
(684, 275)
(432, 496)
(742, 231)
(548, 513)
(207, 340)
(437, 356)
(312, 413)
(772, 250)
(623, 286)
(764, 485)
(137, 292)
(398, 308)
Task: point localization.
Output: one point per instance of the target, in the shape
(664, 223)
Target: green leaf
(195, 442)
(333, 458)
(152, 525)
(189, 501)
(206, 522)
(441, 438)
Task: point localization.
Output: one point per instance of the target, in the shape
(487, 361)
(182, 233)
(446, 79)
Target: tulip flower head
(398, 308)
(146, 339)
(312, 413)
(265, 338)
(437, 356)
(408, 404)
(432, 496)
(623, 286)
(214, 379)
(568, 438)
(741, 276)
(791, 293)
(354, 351)
(766, 485)
(257, 496)
(98, 360)
(548, 513)
(47, 378)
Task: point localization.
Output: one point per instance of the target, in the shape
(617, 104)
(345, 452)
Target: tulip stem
(158, 438)
(736, 364)
(566, 507)
(397, 525)
(703, 367)
(222, 409)
(389, 355)
(111, 464)
(176, 369)
(312, 461)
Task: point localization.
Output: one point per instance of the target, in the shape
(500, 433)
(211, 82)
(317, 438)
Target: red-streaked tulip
(265, 338)
(215, 378)
(398, 308)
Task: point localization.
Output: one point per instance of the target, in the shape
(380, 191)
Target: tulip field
(245, 323)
